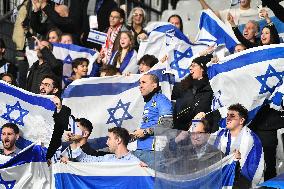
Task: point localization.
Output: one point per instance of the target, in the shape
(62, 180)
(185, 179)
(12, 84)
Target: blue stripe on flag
(246, 59)
(178, 33)
(92, 89)
(76, 48)
(35, 100)
(96, 41)
(252, 161)
(71, 181)
(108, 88)
(35, 153)
(96, 32)
(218, 32)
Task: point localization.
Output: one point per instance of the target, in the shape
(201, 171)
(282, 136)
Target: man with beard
(9, 135)
(47, 64)
(50, 85)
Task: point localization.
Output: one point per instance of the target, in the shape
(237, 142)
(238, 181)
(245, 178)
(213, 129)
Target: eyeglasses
(137, 14)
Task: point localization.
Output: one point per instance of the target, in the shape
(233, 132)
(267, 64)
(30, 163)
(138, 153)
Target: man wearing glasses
(50, 85)
(117, 24)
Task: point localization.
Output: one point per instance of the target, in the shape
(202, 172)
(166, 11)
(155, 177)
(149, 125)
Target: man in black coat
(47, 64)
(50, 85)
(265, 125)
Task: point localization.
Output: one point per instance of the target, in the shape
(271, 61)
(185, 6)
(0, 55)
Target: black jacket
(277, 9)
(190, 101)
(243, 40)
(50, 66)
(61, 121)
(266, 123)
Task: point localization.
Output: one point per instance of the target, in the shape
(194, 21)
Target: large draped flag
(28, 169)
(249, 145)
(32, 113)
(102, 175)
(68, 52)
(113, 101)
(249, 77)
(212, 31)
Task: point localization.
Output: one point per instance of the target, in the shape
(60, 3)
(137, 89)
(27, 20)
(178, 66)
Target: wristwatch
(145, 132)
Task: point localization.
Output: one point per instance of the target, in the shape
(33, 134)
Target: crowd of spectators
(49, 23)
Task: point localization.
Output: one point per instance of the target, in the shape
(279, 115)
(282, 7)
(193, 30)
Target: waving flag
(102, 175)
(32, 113)
(249, 145)
(212, 31)
(68, 52)
(277, 98)
(4, 68)
(28, 169)
(249, 77)
(113, 101)
(166, 39)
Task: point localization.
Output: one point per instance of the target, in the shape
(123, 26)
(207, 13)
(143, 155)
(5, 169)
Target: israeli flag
(102, 175)
(97, 37)
(165, 39)
(32, 113)
(212, 31)
(218, 175)
(249, 77)
(277, 98)
(4, 68)
(113, 101)
(28, 169)
(68, 52)
(249, 145)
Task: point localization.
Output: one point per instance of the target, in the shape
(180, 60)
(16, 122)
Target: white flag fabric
(28, 169)
(105, 175)
(248, 77)
(32, 113)
(68, 52)
(212, 31)
(102, 175)
(113, 101)
(166, 39)
(276, 100)
(4, 68)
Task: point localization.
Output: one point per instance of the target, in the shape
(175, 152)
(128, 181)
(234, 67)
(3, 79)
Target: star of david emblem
(270, 80)
(68, 60)
(216, 103)
(179, 56)
(12, 110)
(7, 184)
(119, 113)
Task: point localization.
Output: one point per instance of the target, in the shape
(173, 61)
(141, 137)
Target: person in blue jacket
(157, 108)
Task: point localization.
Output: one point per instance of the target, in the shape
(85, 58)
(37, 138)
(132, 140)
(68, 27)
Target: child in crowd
(125, 57)
(80, 69)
